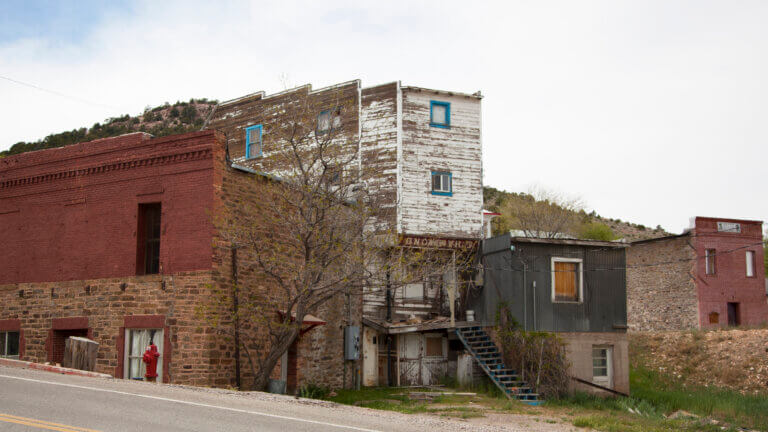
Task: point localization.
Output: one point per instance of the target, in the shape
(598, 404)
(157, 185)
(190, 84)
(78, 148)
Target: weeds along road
(35, 400)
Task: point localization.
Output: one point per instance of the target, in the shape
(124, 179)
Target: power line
(66, 96)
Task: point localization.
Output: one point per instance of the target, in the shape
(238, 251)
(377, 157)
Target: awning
(310, 321)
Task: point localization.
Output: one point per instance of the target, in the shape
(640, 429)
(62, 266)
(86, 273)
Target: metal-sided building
(575, 288)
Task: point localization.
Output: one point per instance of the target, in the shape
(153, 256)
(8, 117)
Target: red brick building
(115, 240)
(709, 276)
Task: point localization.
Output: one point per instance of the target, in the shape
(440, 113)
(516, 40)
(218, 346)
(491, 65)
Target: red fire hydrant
(150, 358)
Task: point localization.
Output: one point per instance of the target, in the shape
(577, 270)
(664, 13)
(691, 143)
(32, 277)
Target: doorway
(733, 315)
(59, 341)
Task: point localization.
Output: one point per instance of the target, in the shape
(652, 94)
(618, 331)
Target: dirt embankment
(731, 358)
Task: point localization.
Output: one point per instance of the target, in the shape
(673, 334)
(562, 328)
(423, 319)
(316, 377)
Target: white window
(413, 291)
(750, 263)
(602, 365)
(709, 261)
(567, 280)
(9, 344)
(136, 343)
(440, 114)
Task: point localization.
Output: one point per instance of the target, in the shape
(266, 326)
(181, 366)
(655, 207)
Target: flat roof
(572, 242)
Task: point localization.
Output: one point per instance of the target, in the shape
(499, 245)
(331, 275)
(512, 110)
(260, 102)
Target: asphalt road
(35, 400)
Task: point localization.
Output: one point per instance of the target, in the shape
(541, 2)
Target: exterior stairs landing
(488, 356)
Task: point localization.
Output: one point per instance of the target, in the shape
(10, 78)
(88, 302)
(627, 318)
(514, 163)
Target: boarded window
(434, 346)
(714, 318)
(750, 264)
(709, 261)
(414, 291)
(566, 280)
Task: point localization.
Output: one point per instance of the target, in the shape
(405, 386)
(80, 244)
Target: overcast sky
(651, 111)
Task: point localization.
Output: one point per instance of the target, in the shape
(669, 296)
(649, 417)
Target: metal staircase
(488, 356)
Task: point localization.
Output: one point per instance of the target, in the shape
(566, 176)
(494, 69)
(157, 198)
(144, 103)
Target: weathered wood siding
(425, 149)
(378, 145)
(275, 112)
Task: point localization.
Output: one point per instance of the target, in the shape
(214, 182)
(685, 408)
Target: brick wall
(71, 213)
(103, 305)
(730, 282)
(661, 297)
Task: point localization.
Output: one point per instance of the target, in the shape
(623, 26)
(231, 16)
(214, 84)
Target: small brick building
(115, 240)
(709, 276)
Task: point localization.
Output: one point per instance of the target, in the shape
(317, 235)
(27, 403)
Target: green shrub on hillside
(596, 231)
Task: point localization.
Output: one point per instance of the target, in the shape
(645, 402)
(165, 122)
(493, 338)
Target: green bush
(596, 231)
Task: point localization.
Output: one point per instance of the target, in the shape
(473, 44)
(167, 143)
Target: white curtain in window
(438, 114)
(138, 342)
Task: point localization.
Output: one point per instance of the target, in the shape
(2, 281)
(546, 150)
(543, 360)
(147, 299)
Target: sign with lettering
(728, 227)
(438, 243)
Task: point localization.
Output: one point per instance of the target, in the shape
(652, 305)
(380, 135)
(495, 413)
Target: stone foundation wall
(105, 306)
(662, 296)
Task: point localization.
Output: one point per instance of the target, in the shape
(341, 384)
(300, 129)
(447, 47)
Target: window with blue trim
(442, 183)
(328, 120)
(440, 114)
(253, 141)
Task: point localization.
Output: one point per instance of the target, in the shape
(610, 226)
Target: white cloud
(652, 111)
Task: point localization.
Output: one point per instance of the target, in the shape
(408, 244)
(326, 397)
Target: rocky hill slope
(163, 120)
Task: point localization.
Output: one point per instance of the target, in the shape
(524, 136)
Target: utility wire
(66, 96)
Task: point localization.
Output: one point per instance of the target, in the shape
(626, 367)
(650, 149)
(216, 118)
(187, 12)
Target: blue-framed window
(442, 183)
(328, 120)
(440, 114)
(253, 146)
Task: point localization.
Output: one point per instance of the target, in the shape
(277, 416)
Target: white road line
(193, 403)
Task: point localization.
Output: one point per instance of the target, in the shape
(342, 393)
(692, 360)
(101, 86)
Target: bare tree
(314, 234)
(543, 213)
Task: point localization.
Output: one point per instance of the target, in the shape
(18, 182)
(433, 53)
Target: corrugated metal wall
(523, 279)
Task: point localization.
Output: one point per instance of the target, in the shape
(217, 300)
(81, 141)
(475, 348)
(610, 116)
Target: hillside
(730, 358)
(163, 120)
(580, 224)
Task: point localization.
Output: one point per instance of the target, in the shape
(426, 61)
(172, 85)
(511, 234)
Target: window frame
(248, 142)
(4, 348)
(443, 343)
(441, 192)
(127, 351)
(580, 279)
(707, 256)
(335, 114)
(604, 380)
(418, 297)
(751, 263)
(447, 106)
(143, 265)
